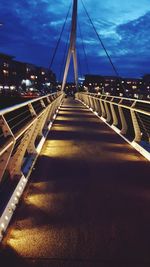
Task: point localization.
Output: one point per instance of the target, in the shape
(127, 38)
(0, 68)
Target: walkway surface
(88, 202)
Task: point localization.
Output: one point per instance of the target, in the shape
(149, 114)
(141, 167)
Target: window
(6, 65)
(6, 72)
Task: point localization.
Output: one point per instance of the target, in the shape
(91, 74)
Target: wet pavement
(88, 201)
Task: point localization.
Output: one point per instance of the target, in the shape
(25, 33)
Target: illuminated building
(128, 87)
(13, 72)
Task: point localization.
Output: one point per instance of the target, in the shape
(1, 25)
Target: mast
(72, 48)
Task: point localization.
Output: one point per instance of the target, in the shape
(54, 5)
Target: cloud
(128, 44)
(135, 35)
(32, 28)
(117, 11)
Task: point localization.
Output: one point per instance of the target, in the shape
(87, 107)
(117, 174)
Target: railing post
(123, 121)
(5, 156)
(90, 102)
(108, 115)
(102, 108)
(137, 130)
(115, 119)
(94, 104)
(4, 159)
(15, 163)
(99, 110)
(37, 132)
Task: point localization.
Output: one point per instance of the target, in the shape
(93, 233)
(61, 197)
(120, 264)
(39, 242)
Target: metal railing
(23, 130)
(128, 117)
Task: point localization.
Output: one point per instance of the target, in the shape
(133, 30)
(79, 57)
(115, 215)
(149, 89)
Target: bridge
(86, 201)
(74, 185)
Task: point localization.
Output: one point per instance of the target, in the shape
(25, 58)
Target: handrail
(117, 97)
(23, 131)
(17, 106)
(130, 118)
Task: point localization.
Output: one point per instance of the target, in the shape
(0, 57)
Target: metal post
(72, 48)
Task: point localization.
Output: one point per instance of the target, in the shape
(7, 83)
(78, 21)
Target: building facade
(15, 74)
(127, 87)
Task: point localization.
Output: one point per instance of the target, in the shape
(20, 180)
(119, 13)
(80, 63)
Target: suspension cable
(80, 65)
(103, 46)
(64, 57)
(58, 42)
(83, 46)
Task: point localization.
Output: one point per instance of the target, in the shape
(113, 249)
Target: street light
(1, 24)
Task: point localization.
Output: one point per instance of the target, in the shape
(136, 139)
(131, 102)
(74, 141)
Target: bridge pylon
(72, 48)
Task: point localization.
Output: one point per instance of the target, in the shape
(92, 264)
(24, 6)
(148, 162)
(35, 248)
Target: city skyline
(31, 30)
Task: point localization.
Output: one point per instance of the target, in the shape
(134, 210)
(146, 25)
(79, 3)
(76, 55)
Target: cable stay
(62, 66)
(84, 50)
(79, 65)
(60, 37)
(104, 48)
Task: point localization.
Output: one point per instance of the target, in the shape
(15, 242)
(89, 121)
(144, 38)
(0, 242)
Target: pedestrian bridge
(87, 190)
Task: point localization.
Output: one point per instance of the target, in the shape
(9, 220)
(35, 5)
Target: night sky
(32, 27)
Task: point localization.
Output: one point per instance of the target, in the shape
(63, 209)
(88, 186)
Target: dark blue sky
(32, 27)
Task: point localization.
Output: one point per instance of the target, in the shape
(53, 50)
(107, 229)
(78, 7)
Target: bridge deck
(88, 203)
